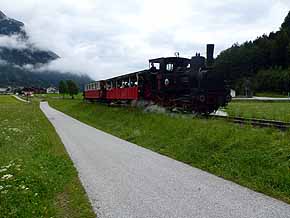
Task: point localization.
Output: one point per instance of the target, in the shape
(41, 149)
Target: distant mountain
(13, 59)
(10, 26)
(19, 77)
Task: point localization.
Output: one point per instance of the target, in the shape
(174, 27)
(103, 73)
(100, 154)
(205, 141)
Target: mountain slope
(15, 76)
(17, 52)
(10, 26)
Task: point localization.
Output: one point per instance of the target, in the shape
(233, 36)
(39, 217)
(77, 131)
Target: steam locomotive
(172, 82)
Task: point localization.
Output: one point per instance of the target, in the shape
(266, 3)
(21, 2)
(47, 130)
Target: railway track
(239, 120)
(255, 122)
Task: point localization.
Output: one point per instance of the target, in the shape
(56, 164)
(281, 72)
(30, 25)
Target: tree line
(265, 62)
(68, 87)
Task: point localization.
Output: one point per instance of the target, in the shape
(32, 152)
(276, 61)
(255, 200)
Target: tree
(72, 88)
(62, 88)
(286, 24)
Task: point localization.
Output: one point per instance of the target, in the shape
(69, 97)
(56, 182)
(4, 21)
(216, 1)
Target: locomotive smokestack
(209, 54)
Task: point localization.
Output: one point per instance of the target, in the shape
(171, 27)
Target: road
(254, 98)
(124, 180)
(20, 99)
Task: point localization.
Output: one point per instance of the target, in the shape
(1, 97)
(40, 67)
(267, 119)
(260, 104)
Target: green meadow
(37, 177)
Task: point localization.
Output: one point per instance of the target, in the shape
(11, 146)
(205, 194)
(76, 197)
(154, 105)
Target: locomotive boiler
(172, 82)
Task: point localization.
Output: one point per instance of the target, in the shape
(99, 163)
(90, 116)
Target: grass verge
(58, 96)
(270, 94)
(256, 158)
(259, 109)
(37, 178)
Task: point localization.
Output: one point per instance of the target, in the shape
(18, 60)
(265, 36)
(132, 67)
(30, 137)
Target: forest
(262, 64)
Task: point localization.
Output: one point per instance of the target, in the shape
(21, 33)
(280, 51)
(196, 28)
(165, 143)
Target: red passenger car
(114, 89)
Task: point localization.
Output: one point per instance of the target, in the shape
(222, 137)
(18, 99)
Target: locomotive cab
(165, 72)
(168, 65)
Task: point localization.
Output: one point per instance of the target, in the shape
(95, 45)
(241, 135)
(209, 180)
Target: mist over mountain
(21, 62)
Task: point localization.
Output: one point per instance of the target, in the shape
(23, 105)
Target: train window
(169, 67)
(98, 86)
(156, 66)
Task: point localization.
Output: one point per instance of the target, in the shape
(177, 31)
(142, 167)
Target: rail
(256, 122)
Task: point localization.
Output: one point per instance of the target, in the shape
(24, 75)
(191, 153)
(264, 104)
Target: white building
(233, 93)
(52, 90)
(3, 90)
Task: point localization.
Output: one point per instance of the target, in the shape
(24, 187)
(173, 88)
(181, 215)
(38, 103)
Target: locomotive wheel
(204, 110)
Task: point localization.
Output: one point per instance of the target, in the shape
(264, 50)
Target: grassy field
(271, 94)
(37, 178)
(260, 109)
(57, 96)
(256, 158)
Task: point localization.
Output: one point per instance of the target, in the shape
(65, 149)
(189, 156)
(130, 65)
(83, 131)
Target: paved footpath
(255, 98)
(124, 180)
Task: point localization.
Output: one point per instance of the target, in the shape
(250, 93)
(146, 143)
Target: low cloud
(13, 42)
(3, 62)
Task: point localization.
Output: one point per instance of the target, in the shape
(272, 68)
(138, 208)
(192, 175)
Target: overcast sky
(111, 37)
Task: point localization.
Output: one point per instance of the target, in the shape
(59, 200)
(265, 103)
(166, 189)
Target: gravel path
(20, 99)
(124, 180)
(254, 98)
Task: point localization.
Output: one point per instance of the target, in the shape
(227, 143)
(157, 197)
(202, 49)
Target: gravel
(124, 180)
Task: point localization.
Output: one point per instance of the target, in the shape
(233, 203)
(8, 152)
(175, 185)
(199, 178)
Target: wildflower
(3, 170)
(7, 137)
(8, 166)
(14, 130)
(7, 176)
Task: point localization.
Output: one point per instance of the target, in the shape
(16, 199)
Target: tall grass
(260, 109)
(37, 178)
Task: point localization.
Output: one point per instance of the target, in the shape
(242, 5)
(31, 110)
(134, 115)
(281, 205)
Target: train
(187, 84)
